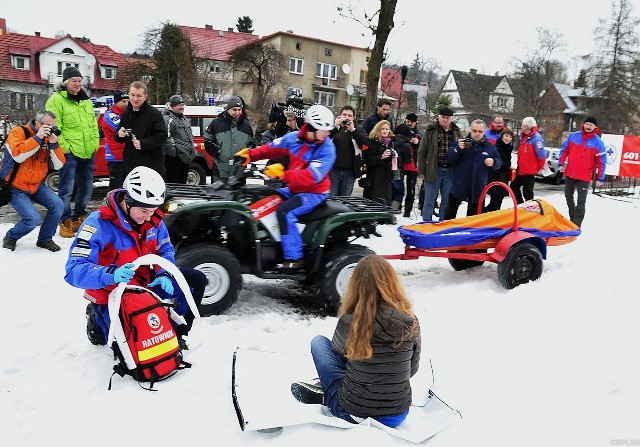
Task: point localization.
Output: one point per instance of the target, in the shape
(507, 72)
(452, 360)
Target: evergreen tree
(244, 25)
(616, 69)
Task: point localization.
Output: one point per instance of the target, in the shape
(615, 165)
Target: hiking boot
(49, 245)
(308, 393)
(76, 223)
(182, 343)
(94, 331)
(395, 205)
(9, 243)
(65, 229)
(291, 265)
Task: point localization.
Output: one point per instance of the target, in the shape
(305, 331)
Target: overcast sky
(462, 34)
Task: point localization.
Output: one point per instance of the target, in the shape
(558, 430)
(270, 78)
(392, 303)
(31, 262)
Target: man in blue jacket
(471, 159)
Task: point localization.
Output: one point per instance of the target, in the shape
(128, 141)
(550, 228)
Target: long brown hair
(373, 281)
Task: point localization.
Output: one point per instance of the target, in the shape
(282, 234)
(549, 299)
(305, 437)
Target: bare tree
(616, 69)
(381, 31)
(538, 68)
(260, 65)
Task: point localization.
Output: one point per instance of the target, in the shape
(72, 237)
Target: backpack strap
(16, 165)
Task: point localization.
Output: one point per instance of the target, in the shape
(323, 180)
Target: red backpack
(144, 342)
(150, 350)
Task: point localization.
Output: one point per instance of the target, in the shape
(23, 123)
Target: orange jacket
(35, 156)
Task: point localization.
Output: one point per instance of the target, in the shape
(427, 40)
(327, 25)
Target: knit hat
(591, 119)
(175, 100)
(234, 101)
(119, 95)
(445, 111)
(71, 72)
(412, 117)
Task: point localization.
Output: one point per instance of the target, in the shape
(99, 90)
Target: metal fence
(621, 188)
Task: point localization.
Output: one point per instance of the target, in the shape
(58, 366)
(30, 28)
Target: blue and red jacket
(492, 135)
(531, 154)
(583, 152)
(309, 162)
(106, 240)
(110, 123)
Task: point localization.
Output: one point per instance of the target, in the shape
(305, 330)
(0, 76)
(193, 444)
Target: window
(21, 101)
(215, 68)
(147, 78)
(325, 98)
(109, 73)
(502, 102)
(20, 62)
(363, 76)
(328, 51)
(63, 65)
(298, 46)
(326, 71)
(296, 65)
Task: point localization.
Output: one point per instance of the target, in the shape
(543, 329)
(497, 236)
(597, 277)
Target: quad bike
(229, 229)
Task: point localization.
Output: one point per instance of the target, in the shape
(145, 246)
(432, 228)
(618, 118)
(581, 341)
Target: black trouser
(116, 174)
(175, 170)
(452, 208)
(411, 177)
(523, 186)
(576, 210)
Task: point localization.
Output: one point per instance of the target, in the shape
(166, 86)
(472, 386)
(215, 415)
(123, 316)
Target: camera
(345, 121)
(468, 141)
(54, 130)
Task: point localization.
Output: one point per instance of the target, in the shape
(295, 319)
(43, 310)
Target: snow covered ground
(551, 363)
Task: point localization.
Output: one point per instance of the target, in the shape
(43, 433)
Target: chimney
(3, 27)
(473, 71)
(220, 33)
(208, 27)
(37, 33)
(230, 30)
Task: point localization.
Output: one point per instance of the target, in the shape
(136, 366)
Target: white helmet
(319, 117)
(145, 187)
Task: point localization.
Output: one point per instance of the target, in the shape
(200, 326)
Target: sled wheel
(464, 264)
(224, 280)
(522, 264)
(337, 267)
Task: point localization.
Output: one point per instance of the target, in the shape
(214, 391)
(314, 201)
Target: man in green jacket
(79, 140)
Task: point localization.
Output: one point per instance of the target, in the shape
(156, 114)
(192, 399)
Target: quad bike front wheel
(222, 269)
(335, 272)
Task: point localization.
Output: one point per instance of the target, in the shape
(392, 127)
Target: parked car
(550, 170)
(200, 116)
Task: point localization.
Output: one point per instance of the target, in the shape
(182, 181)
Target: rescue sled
(515, 239)
(261, 395)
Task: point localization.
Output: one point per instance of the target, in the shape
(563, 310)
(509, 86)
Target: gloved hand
(275, 171)
(124, 273)
(164, 282)
(242, 158)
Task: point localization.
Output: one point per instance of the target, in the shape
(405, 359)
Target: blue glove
(124, 273)
(165, 284)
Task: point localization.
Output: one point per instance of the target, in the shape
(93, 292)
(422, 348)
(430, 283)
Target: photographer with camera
(350, 141)
(79, 140)
(471, 159)
(29, 151)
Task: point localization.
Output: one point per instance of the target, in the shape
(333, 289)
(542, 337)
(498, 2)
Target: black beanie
(591, 119)
(71, 72)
